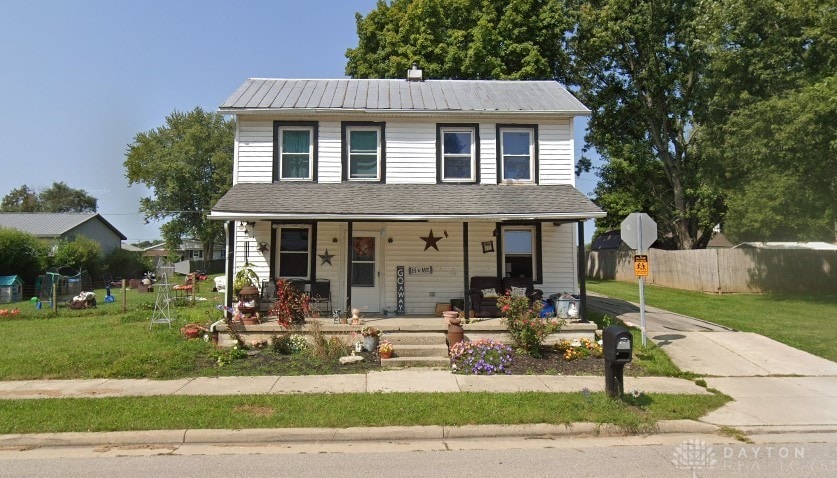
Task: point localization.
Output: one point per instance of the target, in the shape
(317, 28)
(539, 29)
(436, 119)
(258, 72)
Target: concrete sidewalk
(405, 380)
(776, 387)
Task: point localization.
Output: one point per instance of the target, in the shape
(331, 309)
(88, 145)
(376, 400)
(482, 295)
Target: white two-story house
(398, 192)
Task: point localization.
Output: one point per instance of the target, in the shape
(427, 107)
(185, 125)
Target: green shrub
(81, 253)
(22, 254)
(126, 264)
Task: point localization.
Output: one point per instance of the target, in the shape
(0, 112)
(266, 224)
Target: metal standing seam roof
(535, 97)
(355, 200)
(47, 225)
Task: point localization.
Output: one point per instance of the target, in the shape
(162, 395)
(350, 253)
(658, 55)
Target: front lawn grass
(805, 322)
(346, 410)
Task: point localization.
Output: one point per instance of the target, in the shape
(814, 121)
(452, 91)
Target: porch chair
(321, 294)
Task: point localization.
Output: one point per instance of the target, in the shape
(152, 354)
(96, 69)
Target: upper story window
(363, 151)
(517, 153)
(457, 152)
(295, 150)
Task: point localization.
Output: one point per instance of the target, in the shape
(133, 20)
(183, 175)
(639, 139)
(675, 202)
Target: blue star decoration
(326, 258)
(430, 241)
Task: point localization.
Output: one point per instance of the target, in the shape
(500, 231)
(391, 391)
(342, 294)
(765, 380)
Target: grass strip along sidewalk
(633, 414)
(805, 322)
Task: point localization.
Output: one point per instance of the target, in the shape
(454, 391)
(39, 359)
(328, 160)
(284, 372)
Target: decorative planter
(370, 343)
(386, 355)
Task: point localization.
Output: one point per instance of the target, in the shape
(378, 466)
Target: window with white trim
(296, 152)
(519, 251)
(458, 154)
(294, 254)
(517, 154)
(364, 153)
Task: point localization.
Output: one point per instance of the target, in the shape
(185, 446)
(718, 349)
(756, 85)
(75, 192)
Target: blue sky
(81, 78)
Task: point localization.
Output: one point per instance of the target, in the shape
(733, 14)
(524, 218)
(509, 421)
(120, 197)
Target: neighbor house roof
(393, 96)
(362, 201)
(818, 246)
(49, 225)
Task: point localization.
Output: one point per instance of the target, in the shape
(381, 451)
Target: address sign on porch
(420, 270)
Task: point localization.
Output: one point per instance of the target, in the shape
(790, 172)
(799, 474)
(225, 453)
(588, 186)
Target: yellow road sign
(641, 266)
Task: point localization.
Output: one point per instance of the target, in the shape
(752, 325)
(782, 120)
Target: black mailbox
(617, 344)
(617, 348)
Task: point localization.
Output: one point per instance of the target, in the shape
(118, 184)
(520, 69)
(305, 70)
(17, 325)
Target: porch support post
(582, 273)
(230, 230)
(465, 270)
(349, 269)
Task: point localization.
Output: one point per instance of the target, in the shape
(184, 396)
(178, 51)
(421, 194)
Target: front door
(366, 290)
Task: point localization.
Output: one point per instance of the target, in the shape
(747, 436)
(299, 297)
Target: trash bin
(563, 303)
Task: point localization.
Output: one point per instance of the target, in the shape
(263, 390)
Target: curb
(297, 435)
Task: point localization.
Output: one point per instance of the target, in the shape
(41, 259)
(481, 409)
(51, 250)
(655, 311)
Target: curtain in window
(296, 151)
(363, 154)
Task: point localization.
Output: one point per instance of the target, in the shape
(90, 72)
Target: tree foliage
(23, 254)
(80, 253)
(638, 69)
(187, 164)
(57, 198)
(456, 39)
(689, 98)
(771, 96)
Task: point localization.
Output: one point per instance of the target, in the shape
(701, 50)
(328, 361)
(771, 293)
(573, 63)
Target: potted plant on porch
(370, 337)
(385, 349)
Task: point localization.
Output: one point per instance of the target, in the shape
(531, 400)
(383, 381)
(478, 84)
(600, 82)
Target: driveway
(776, 387)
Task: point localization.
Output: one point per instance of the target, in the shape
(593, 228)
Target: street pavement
(775, 387)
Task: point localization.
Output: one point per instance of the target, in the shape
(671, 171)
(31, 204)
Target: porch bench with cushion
(485, 290)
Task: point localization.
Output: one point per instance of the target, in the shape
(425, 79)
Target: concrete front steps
(417, 349)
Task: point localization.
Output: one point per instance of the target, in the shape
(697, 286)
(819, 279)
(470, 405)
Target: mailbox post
(617, 347)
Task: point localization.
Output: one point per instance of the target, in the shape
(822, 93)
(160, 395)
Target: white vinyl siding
(556, 153)
(255, 152)
(559, 259)
(411, 151)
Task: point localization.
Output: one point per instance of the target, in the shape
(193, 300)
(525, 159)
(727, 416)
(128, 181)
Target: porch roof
(403, 202)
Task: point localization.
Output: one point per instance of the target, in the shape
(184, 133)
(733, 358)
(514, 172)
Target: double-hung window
(457, 153)
(363, 151)
(294, 256)
(295, 145)
(517, 153)
(521, 251)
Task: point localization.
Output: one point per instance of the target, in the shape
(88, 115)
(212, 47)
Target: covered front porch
(402, 249)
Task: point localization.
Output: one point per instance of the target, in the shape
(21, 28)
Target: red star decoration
(430, 241)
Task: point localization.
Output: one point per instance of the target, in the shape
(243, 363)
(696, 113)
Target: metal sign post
(639, 231)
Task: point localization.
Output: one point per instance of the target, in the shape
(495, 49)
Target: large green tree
(771, 96)
(187, 164)
(456, 39)
(56, 198)
(638, 67)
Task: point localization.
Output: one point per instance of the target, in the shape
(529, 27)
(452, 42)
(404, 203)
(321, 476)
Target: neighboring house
(813, 246)
(398, 192)
(719, 241)
(609, 241)
(190, 250)
(55, 227)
